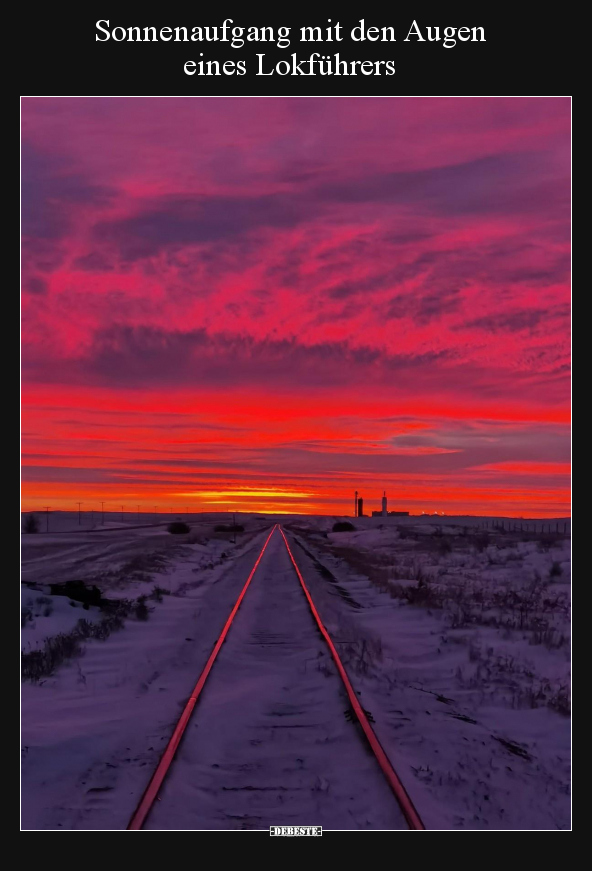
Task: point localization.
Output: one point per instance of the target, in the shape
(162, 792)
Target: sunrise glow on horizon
(268, 304)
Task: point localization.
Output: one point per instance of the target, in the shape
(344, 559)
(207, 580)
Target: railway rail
(163, 768)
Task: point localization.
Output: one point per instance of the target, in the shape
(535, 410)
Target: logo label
(295, 831)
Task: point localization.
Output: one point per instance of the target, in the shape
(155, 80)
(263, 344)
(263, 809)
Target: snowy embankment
(466, 662)
(93, 728)
(45, 616)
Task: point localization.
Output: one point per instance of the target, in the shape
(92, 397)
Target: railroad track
(270, 739)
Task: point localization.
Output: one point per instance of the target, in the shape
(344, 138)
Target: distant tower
(356, 504)
(360, 507)
(384, 511)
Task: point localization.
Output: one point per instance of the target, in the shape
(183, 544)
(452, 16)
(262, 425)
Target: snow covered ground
(471, 662)
(456, 637)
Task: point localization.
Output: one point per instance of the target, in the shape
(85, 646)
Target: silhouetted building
(360, 507)
(398, 514)
(384, 511)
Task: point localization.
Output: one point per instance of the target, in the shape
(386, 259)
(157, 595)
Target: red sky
(269, 303)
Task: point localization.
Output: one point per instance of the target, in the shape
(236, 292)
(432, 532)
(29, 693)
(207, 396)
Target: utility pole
(79, 520)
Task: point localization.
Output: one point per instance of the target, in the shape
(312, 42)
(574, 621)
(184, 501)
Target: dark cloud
(49, 190)
(93, 262)
(424, 305)
(493, 443)
(41, 255)
(511, 322)
(391, 278)
(141, 356)
(508, 264)
(51, 474)
(488, 184)
(496, 184)
(35, 285)
(178, 221)
(409, 238)
(302, 171)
